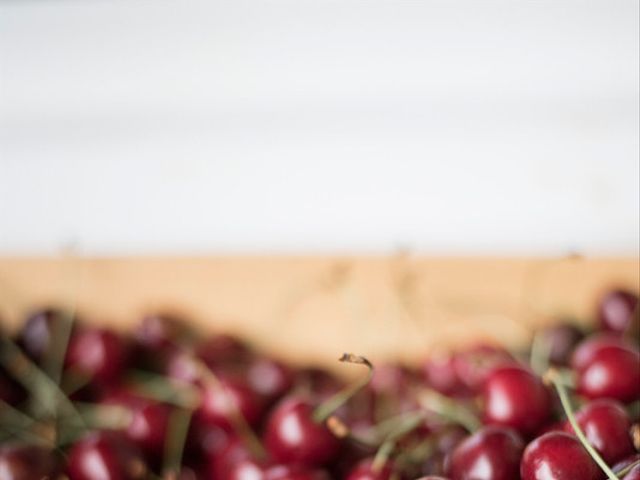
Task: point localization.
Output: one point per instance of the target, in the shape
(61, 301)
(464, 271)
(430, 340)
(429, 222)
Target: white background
(319, 126)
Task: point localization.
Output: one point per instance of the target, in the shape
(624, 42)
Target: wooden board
(310, 309)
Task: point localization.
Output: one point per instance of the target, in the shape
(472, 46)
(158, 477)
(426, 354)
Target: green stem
(324, 410)
(449, 409)
(621, 473)
(552, 375)
(408, 424)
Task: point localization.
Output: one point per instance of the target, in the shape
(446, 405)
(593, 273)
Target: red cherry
(560, 340)
(221, 462)
(96, 353)
(517, 398)
(105, 456)
(558, 456)
(42, 330)
(474, 365)
(364, 471)
(292, 436)
(294, 472)
(27, 462)
(612, 372)
(616, 310)
(220, 402)
(269, 378)
(440, 373)
(587, 349)
(160, 331)
(148, 425)
(606, 425)
(221, 349)
(492, 453)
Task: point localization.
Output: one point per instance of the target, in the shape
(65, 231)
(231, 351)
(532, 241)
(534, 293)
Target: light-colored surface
(311, 309)
(215, 126)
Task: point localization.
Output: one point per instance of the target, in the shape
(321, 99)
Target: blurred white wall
(272, 126)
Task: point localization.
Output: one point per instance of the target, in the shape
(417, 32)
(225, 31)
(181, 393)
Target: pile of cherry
(85, 403)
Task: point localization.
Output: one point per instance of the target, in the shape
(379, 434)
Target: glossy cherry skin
(515, 397)
(558, 456)
(560, 341)
(221, 401)
(27, 462)
(492, 453)
(292, 436)
(612, 372)
(105, 456)
(99, 354)
(606, 425)
(148, 425)
(222, 461)
(616, 310)
(586, 350)
(364, 471)
(42, 330)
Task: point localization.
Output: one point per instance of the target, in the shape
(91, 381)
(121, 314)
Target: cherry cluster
(81, 402)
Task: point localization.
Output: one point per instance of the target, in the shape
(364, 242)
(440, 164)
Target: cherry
(558, 456)
(148, 424)
(222, 349)
(27, 462)
(269, 378)
(616, 310)
(626, 462)
(606, 425)
(221, 461)
(440, 373)
(587, 349)
(446, 440)
(222, 401)
(517, 398)
(474, 365)
(611, 372)
(160, 331)
(560, 340)
(293, 436)
(294, 472)
(366, 470)
(42, 331)
(491, 453)
(105, 455)
(96, 353)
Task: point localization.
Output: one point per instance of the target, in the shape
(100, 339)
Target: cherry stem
(239, 423)
(174, 443)
(408, 424)
(622, 472)
(449, 409)
(325, 409)
(553, 376)
(341, 430)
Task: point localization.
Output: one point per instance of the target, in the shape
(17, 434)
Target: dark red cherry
(440, 373)
(294, 472)
(223, 349)
(606, 425)
(364, 471)
(559, 341)
(148, 424)
(616, 310)
(587, 349)
(292, 436)
(492, 453)
(105, 455)
(160, 331)
(220, 462)
(612, 372)
(43, 330)
(515, 397)
(432, 477)
(222, 400)
(474, 365)
(558, 456)
(246, 469)
(98, 354)
(27, 462)
(445, 441)
(269, 378)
